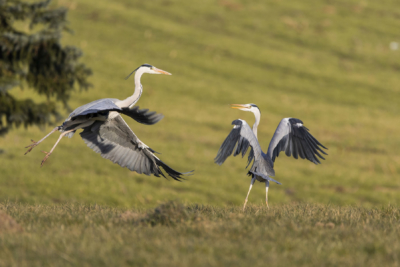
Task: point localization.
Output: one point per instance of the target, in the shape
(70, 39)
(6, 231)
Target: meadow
(173, 234)
(328, 63)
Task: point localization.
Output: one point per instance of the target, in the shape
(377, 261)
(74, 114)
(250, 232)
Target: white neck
(133, 99)
(257, 115)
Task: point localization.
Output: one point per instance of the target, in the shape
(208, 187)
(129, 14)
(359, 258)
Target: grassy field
(289, 235)
(327, 63)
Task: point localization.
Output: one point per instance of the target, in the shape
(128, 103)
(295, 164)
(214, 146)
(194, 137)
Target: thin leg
(31, 146)
(84, 124)
(253, 179)
(266, 192)
(59, 138)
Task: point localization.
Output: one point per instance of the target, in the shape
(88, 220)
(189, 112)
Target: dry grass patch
(8, 224)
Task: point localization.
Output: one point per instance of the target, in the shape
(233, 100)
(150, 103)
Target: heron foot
(45, 158)
(31, 146)
(267, 204)
(245, 202)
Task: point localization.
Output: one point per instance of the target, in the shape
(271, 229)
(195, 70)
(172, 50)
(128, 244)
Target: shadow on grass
(170, 213)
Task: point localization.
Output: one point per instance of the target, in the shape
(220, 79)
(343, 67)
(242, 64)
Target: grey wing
(99, 107)
(115, 141)
(230, 142)
(294, 138)
(105, 104)
(143, 116)
(242, 137)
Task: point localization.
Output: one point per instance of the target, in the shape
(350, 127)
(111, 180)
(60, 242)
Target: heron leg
(253, 179)
(84, 124)
(51, 151)
(266, 192)
(31, 146)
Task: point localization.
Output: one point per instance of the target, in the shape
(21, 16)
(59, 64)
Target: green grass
(325, 62)
(200, 235)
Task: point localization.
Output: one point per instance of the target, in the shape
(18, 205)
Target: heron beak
(238, 106)
(161, 71)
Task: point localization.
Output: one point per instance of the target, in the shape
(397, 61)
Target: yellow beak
(161, 71)
(238, 106)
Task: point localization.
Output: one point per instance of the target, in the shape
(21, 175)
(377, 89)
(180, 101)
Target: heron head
(246, 107)
(147, 68)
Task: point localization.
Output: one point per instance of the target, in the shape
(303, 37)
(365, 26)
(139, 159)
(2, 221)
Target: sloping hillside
(328, 63)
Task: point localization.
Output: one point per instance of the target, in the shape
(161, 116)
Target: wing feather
(105, 104)
(143, 116)
(294, 138)
(114, 140)
(241, 137)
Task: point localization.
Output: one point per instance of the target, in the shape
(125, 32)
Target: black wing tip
(315, 145)
(218, 162)
(171, 172)
(178, 179)
(189, 173)
(153, 151)
(237, 122)
(294, 120)
(143, 116)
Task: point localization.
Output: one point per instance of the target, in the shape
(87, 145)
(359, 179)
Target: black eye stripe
(144, 65)
(254, 105)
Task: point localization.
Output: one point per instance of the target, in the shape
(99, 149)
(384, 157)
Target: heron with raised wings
(290, 136)
(106, 132)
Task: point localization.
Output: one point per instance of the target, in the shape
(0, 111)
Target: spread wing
(114, 140)
(102, 107)
(292, 137)
(143, 116)
(105, 104)
(242, 137)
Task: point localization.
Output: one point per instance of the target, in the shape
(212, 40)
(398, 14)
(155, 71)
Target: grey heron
(290, 136)
(106, 132)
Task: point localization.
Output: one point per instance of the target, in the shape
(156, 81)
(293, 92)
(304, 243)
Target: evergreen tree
(36, 59)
